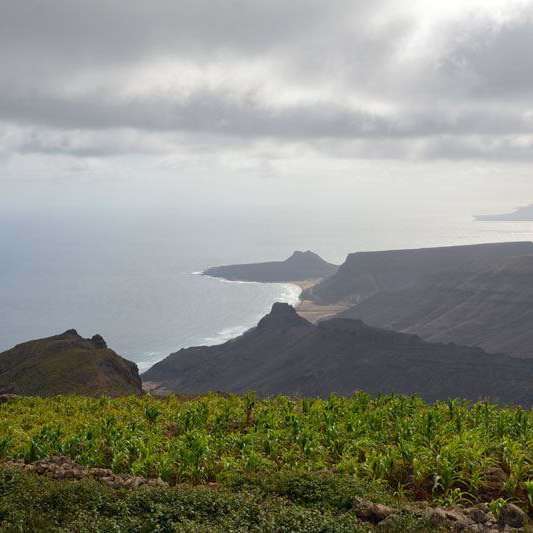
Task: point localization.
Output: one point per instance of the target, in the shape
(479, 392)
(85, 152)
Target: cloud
(490, 59)
(98, 79)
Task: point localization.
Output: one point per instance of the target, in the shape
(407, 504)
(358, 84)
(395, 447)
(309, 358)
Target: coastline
(305, 308)
(290, 293)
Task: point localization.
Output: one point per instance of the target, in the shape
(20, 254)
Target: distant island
(520, 214)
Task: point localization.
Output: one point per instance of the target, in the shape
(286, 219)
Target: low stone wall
(64, 468)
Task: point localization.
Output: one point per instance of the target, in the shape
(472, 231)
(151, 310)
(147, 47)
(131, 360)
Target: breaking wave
(289, 293)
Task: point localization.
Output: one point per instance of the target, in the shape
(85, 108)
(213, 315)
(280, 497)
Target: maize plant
(446, 450)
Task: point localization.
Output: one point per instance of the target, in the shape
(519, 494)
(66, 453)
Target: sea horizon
(135, 281)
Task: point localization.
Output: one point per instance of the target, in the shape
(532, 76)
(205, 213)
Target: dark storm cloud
(66, 65)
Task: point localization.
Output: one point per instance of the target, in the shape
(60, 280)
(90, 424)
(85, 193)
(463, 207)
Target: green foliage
(496, 506)
(151, 412)
(442, 451)
(28, 503)
(453, 498)
(528, 485)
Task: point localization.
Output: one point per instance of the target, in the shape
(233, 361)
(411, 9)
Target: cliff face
(299, 266)
(286, 354)
(491, 308)
(67, 364)
(366, 273)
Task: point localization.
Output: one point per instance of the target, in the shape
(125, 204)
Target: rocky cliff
(366, 273)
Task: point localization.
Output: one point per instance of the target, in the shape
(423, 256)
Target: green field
(295, 461)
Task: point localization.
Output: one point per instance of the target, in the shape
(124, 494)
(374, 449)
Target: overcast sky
(244, 90)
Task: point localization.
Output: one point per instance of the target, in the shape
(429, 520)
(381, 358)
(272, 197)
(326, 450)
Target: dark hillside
(286, 354)
(491, 308)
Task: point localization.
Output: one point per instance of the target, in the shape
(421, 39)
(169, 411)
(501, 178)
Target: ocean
(132, 276)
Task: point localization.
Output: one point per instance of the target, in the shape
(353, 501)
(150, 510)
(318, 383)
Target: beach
(311, 310)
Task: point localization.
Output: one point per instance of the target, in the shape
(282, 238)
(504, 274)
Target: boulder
(371, 512)
(477, 515)
(391, 523)
(513, 516)
(4, 398)
(453, 519)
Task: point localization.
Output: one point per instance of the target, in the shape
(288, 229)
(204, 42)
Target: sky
(207, 101)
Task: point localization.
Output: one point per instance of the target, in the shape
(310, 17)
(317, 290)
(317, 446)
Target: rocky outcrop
(67, 364)
(286, 354)
(298, 267)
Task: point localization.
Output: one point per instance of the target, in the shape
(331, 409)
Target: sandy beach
(312, 311)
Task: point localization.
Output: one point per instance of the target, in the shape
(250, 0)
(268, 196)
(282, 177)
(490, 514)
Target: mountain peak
(69, 333)
(307, 253)
(305, 257)
(282, 308)
(282, 315)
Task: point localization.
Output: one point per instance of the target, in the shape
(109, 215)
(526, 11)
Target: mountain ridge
(366, 273)
(286, 354)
